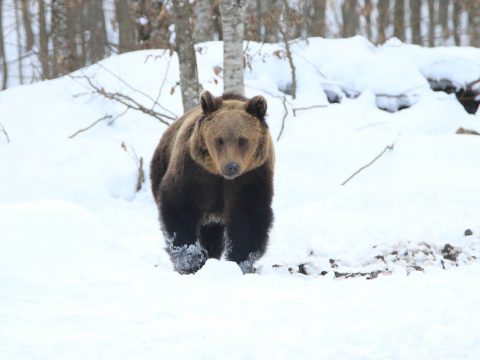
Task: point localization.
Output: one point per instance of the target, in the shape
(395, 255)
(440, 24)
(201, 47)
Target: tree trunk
(98, 31)
(63, 57)
(43, 40)
(126, 30)
(367, 12)
(204, 22)
(186, 54)
(350, 18)
(317, 18)
(271, 19)
(443, 18)
(27, 25)
(415, 21)
(399, 19)
(19, 44)
(232, 13)
(431, 23)
(382, 21)
(2, 51)
(474, 22)
(456, 22)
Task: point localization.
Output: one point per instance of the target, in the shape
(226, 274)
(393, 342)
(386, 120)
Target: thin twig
(155, 103)
(285, 114)
(113, 118)
(388, 147)
(5, 133)
(163, 82)
(307, 108)
(127, 101)
(90, 126)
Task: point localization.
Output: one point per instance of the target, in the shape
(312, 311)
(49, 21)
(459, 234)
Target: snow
(83, 271)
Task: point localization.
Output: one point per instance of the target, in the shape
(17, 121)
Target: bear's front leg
(248, 222)
(180, 224)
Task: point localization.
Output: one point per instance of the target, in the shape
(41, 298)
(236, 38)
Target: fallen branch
(285, 114)
(106, 117)
(2, 129)
(463, 131)
(154, 101)
(307, 108)
(126, 101)
(90, 126)
(388, 147)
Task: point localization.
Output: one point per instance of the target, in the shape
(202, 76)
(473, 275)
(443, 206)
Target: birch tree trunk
(204, 24)
(186, 54)
(63, 58)
(232, 14)
(2, 51)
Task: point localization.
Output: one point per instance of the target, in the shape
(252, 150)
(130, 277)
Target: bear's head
(231, 136)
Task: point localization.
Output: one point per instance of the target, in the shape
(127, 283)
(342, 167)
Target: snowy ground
(82, 270)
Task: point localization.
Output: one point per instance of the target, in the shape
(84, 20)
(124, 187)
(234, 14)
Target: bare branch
(106, 117)
(2, 129)
(127, 101)
(90, 126)
(307, 108)
(154, 101)
(285, 114)
(388, 147)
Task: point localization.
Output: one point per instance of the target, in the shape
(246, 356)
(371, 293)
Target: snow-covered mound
(83, 273)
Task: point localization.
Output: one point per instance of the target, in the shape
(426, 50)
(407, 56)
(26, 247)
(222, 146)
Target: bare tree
(98, 31)
(62, 50)
(443, 18)
(367, 12)
(186, 54)
(271, 11)
(317, 18)
(415, 21)
(456, 21)
(399, 19)
(27, 24)
(350, 18)
(126, 30)
(2, 51)
(382, 21)
(474, 22)
(204, 20)
(43, 40)
(232, 13)
(431, 23)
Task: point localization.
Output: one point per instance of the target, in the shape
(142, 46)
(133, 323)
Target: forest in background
(44, 39)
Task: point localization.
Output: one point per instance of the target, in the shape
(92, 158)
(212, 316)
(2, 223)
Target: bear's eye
(242, 141)
(219, 141)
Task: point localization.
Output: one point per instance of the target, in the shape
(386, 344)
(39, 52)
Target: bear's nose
(231, 169)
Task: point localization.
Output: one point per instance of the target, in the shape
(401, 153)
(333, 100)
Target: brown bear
(212, 179)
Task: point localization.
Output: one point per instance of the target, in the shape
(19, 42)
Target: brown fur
(191, 159)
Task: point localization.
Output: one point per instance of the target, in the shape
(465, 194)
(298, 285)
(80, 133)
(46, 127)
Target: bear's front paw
(187, 259)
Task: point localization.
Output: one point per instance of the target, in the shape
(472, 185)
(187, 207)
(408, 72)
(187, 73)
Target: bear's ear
(257, 106)
(209, 102)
